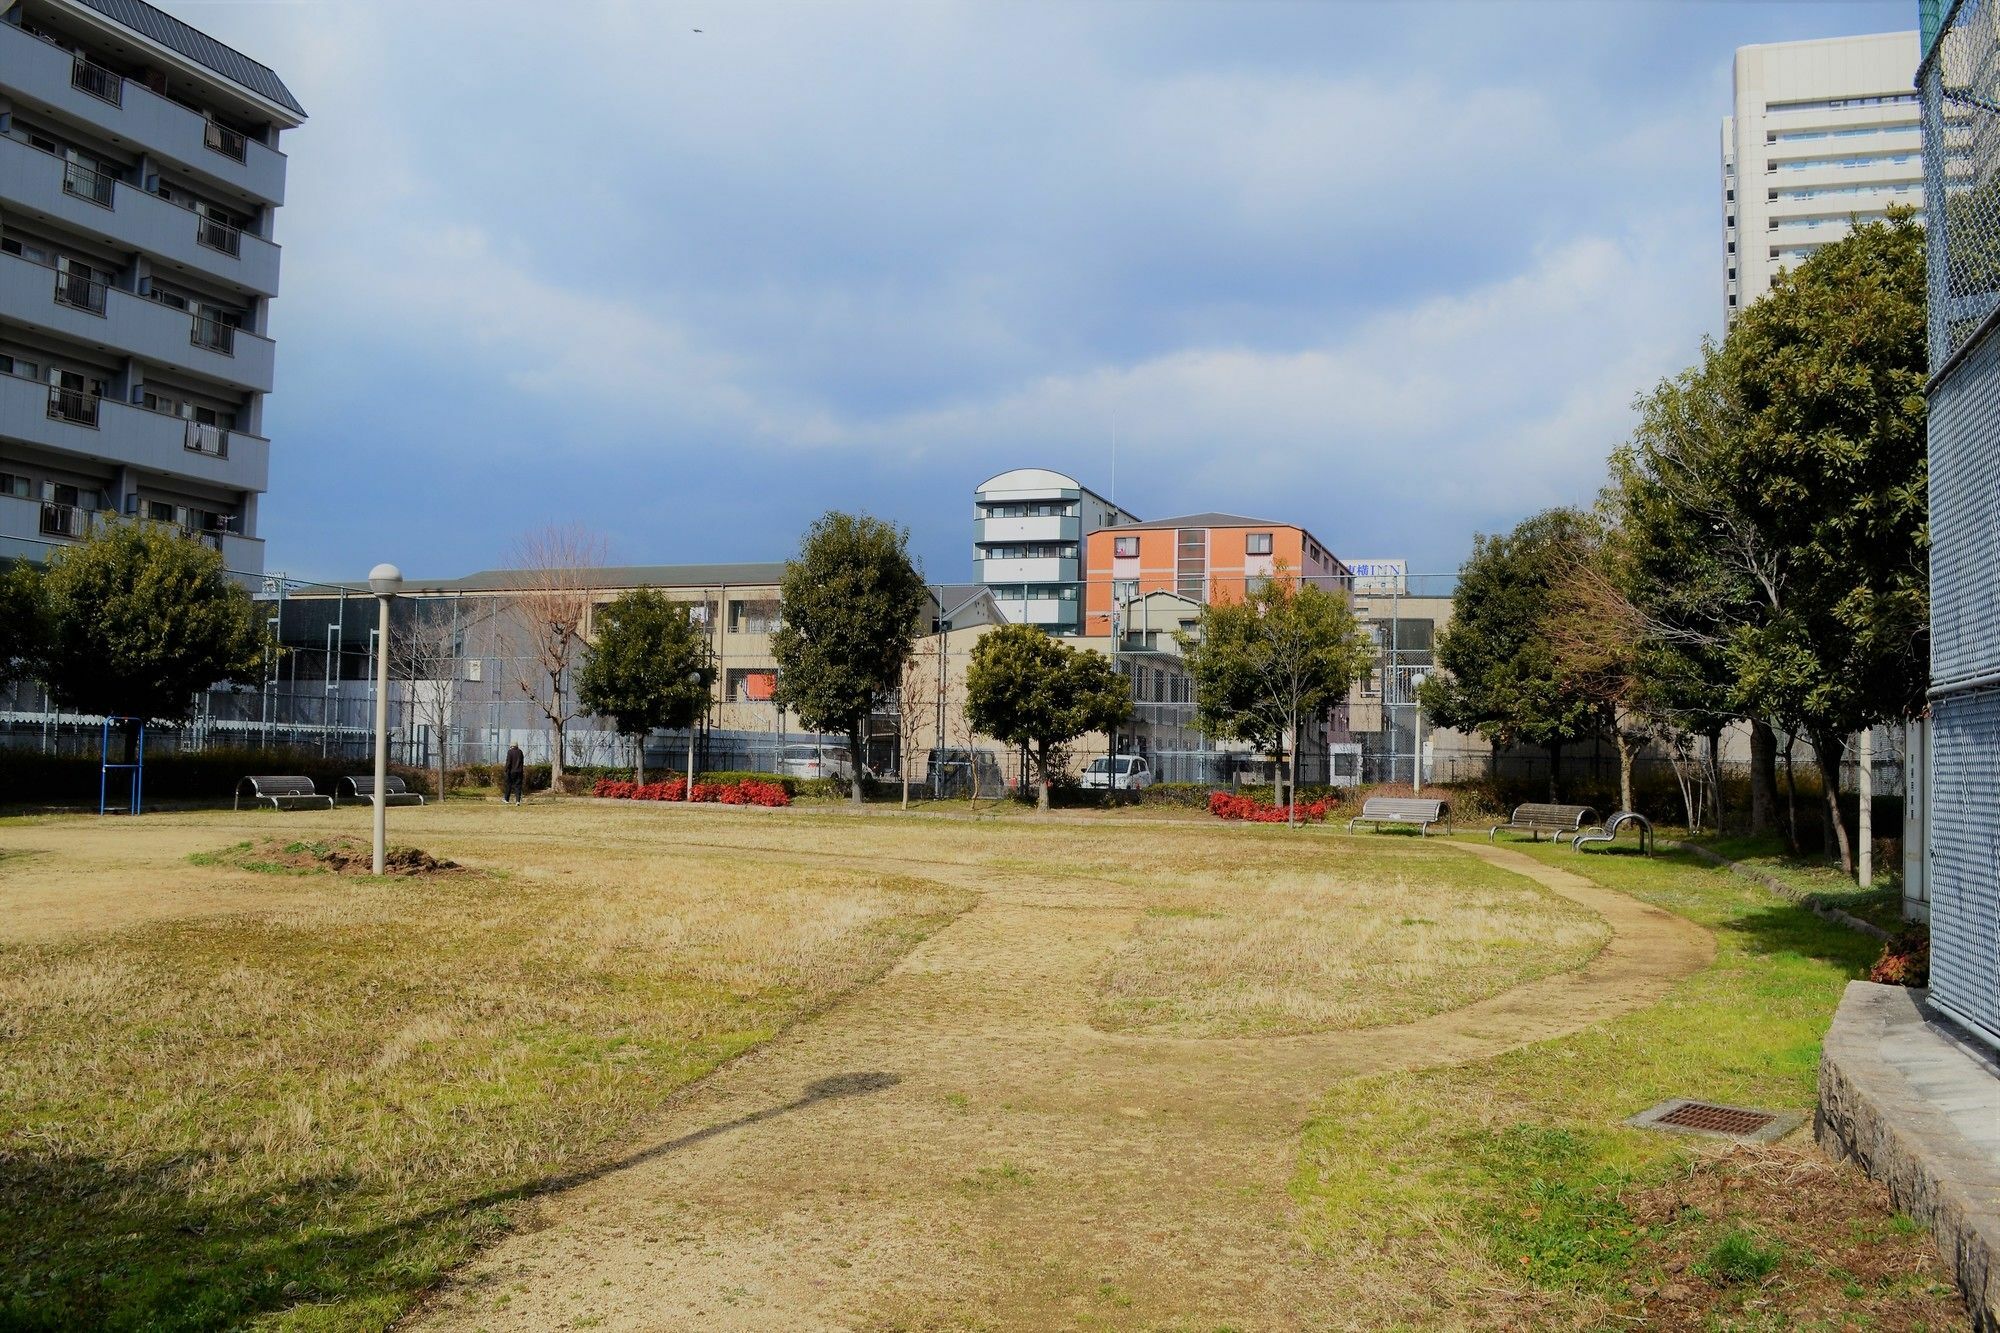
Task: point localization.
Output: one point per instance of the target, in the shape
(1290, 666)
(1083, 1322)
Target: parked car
(1127, 772)
(959, 774)
(817, 761)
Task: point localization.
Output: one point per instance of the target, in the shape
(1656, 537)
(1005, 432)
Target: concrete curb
(1790, 892)
(1903, 1134)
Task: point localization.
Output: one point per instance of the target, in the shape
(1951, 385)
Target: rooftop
(197, 46)
(605, 577)
(1210, 520)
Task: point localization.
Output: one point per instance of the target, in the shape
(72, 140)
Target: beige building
(1823, 133)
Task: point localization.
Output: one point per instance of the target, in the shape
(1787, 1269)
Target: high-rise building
(139, 179)
(1824, 132)
(1031, 527)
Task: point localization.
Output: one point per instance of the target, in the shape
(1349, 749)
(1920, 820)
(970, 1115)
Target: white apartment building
(1824, 132)
(1030, 544)
(139, 177)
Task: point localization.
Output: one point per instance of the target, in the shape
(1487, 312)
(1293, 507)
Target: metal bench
(1554, 820)
(1609, 832)
(1419, 810)
(361, 787)
(282, 792)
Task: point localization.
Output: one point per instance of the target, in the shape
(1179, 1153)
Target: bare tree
(424, 655)
(916, 704)
(553, 607)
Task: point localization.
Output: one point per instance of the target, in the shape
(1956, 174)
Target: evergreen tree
(1025, 688)
(647, 667)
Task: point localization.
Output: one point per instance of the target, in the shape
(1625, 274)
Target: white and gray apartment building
(139, 179)
(1825, 132)
(1029, 547)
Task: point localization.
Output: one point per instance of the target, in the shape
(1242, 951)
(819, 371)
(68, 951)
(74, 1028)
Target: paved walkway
(956, 1146)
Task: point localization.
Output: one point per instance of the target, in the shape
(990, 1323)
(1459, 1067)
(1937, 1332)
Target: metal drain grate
(1682, 1115)
(1713, 1119)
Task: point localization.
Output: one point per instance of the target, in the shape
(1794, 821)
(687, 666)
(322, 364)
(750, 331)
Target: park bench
(1554, 820)
(1609, 832)
(361, 787)
(282, 792)
(1419, 810)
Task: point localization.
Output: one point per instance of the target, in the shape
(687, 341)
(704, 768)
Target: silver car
(1128, 772)
(817, 761)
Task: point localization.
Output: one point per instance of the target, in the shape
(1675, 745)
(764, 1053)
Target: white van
(1128, 772)
(817, 761)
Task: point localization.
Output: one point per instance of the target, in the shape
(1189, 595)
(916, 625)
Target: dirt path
(957, 1148)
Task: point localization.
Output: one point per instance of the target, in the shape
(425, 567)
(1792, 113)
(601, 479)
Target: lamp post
(694, 679)
(1417, 679)
(384, 580)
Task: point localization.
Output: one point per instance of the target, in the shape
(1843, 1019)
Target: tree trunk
(1763, 777)
(639, 759)
(857, 756)
(1555, 770)
(1827, 747)
(1714, 735)
(441, 765)
(555, 722)
(1041, 776)
(1626, 753)
(1791, 797)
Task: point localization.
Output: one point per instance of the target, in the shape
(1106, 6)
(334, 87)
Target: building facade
(140, 178)
(1030, 544)
(1960, 79)
(1824, 133)
(1201, 557)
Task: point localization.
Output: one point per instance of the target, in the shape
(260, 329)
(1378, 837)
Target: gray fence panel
(1965, 519)
(1965, 857)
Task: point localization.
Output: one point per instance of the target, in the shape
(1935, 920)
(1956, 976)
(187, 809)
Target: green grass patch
(1517, 1169)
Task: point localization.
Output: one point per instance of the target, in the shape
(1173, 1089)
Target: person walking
(516, 789)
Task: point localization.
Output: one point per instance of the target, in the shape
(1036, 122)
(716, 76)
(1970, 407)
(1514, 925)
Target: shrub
(1223, 805)
(1905, 960)
(1186, 795)
(748, 791)
(785, 780)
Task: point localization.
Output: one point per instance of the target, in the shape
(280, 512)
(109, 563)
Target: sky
(1394, 272)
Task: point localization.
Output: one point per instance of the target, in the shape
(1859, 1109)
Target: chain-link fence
(1959, 84)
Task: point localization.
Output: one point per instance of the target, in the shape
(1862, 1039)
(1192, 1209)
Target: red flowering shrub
(749, 791)
(1223, 805)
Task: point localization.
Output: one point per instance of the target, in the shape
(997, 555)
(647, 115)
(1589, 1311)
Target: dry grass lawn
(1277, 944)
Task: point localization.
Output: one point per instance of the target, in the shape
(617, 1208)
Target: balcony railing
(85, 183)
(228, 142)
(80, 292)
(98, 81)
(210, 440)
(213, 334)
(77, 406)
(218, 235)
(64, 521)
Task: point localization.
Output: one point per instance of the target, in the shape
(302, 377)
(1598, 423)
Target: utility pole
(1866, 755)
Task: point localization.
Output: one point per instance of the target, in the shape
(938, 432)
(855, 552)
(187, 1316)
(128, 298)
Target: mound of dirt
(1782, 1237)
(339, 856)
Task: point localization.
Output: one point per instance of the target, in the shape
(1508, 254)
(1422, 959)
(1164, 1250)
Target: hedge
(210, 776)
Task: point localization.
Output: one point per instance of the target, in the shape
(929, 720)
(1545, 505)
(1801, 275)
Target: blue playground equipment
(137, 768)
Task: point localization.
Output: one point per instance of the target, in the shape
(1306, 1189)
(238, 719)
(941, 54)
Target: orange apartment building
(1202, 557)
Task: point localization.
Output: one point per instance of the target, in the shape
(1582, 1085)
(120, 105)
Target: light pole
(938, 754)
(1417, 679)
(694, 679)
(384, 580)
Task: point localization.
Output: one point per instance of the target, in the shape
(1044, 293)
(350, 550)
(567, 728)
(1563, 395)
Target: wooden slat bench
(361, 787)
(282, 792)
(1419, 810)
(1554, 820)
(1609, 833)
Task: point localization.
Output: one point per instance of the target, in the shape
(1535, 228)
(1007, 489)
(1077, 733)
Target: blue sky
(1391, 271)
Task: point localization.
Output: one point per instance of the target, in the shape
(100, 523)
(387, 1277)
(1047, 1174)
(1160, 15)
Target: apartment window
(1257, 543)
(14, 365)
(759, 616)
(750, 685)
(1191, 563)
(1730, 219)
(1124, 590)
(1729, 196)
(1732, 275)
(1029, 551)
(1732, 298)
(1125, 547)
(1732, 247)
(14, 485)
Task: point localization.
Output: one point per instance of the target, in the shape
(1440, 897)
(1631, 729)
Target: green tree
(647, 667)
(1792, 461)
(1025, 688)
(22, 625)
(852, 602)
(1501, 674)
(1267, 664)
(141, 618)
